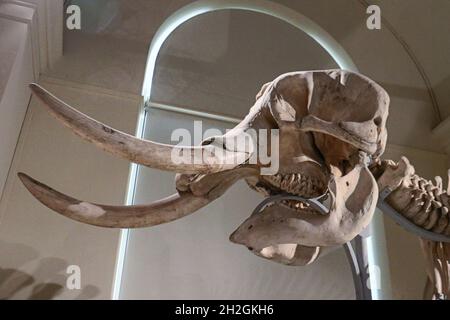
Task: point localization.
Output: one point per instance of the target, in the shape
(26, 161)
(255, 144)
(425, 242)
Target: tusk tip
(34, 87)
(236, 237)
(37, 90)
(28, 181)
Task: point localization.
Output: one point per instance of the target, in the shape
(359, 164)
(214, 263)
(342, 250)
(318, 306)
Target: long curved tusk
(161, 211)
(200, 159)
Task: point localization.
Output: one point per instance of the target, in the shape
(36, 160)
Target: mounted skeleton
(331, 128)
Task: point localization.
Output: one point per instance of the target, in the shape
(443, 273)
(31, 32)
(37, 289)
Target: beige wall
(36, 244)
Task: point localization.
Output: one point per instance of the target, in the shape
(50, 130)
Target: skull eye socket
(377, 121)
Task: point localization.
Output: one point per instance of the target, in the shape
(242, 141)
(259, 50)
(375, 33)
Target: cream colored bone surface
(330, 123)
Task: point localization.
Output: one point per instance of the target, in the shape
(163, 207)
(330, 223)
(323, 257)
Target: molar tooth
(277, 181)
(292, 178)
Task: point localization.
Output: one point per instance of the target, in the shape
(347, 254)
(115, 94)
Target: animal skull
(331, 124)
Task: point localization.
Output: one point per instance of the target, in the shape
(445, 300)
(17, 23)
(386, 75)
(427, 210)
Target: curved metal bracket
(406, 223)
(357, 257)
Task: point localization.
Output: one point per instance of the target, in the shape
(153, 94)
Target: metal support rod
(357, 258)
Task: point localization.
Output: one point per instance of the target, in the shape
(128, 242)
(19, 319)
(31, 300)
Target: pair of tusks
(205, 160)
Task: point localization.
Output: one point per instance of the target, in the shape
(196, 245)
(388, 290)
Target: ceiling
(226, 56)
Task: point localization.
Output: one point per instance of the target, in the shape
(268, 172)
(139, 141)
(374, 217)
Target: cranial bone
(330, 125)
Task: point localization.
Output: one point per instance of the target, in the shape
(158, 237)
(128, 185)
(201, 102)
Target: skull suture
(331, 125)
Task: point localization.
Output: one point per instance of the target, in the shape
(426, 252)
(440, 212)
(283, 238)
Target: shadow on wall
(14, 283)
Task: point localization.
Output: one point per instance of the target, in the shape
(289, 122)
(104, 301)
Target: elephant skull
(329, 124)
